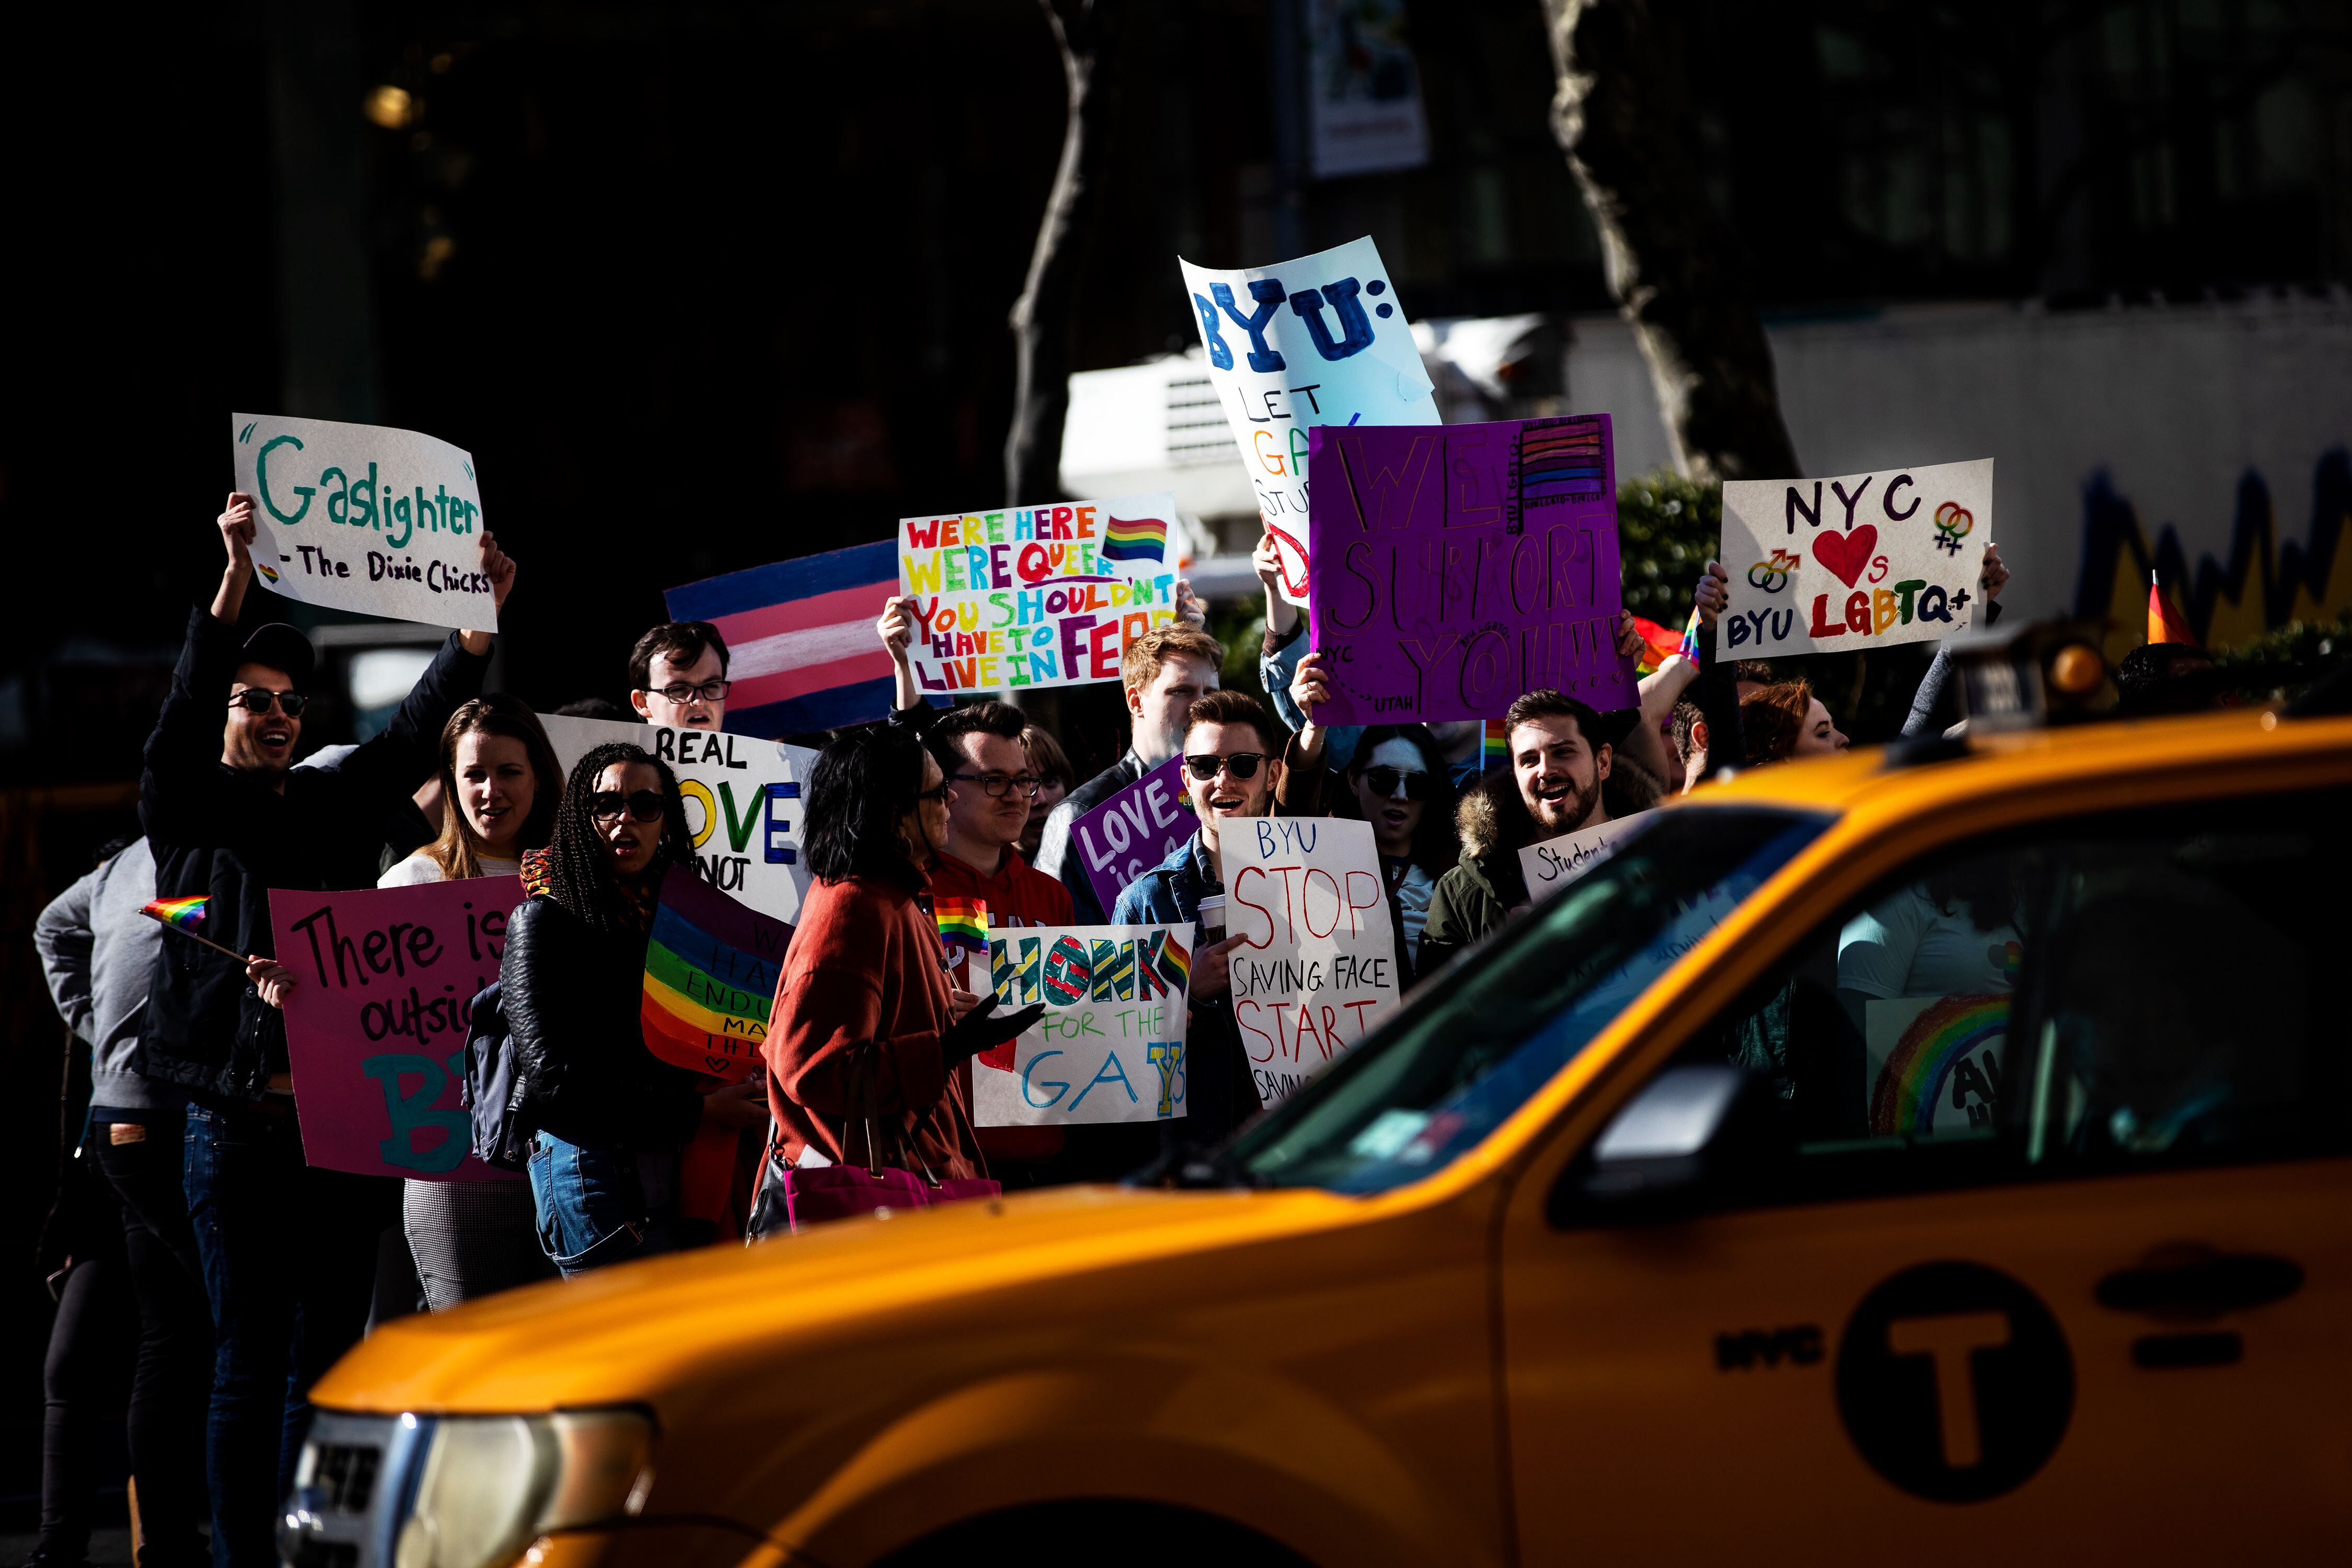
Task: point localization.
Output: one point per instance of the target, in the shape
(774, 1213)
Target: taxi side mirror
(1667, 1149)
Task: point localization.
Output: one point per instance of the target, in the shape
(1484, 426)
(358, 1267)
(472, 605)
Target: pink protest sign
(1134, 830)
(1456, 566)
(375, 1026)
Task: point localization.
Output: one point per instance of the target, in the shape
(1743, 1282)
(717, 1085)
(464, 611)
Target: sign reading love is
(1860, 561)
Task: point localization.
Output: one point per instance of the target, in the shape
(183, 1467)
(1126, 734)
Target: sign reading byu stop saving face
(1862, 561)
(364, 517)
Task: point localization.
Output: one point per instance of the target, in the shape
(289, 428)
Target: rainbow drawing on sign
(711, 967)
(187, 913)
(1911, 1084)
(1557, 461)
(1136, 539)
(268, 574)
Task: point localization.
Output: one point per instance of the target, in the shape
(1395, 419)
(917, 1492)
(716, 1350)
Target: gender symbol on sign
(1955, 1382)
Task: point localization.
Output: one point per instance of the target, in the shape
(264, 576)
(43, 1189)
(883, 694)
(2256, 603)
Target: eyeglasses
(996, 786)
(946, 787)
(679, 692)
(1419, 783)
(258, 699)
(646, 805)
(1240, 765)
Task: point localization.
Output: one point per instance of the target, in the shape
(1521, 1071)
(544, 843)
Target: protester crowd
(234, 1247)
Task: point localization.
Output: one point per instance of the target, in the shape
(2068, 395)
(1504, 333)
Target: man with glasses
(678, 676)
(289, 1252)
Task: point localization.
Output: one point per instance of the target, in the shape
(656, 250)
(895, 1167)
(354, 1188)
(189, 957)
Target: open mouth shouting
(1394, 817)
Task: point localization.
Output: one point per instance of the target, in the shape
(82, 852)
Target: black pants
(84, 1380)
(172, 1383)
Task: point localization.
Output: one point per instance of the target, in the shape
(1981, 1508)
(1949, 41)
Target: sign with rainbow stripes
(1111, 1044)
(1043, 596)
(711, 967)
(1938, 1064)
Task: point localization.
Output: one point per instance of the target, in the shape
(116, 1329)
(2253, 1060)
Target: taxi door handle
(2204, 1286)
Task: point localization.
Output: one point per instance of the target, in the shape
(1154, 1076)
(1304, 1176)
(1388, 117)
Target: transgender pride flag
(799, 638)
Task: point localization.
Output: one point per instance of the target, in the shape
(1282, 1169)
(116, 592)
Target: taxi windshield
(1477, 1040)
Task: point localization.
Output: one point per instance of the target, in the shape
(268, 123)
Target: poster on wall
(1858, 562)
(1322, 339)
(1363, 90)
(1459, 565)
(1110, 1047)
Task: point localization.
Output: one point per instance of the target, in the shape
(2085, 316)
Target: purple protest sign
(375, 1025)
(1456, 566)
(1134, 830)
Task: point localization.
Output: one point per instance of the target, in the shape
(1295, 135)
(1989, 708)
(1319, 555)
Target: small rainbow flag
(711, 968)
(1689, 645)
(963, 923)
(1495, 749)
(1658, 644)
(187, 914)
(1134, 538)
(1175, 965)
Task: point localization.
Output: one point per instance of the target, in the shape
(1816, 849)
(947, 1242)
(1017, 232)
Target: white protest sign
(1938, 1064)
(1556, 862)
(1862, 561)
(1111, 1044)
(742, 803)
(1047, 595)
(1318, 340)
(364, 517)
(1317, 966)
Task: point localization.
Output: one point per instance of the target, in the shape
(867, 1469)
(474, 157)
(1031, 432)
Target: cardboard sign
(742, 803)
(1936, 1065)
(1111, 1044)
(711, 966)
(1318, 965)
(1858, 562)
(1556, 862)
(1458, 566)
(1047, 596)
(375, 1025)
(365, 517)
(1318, 340)
(1134, 830)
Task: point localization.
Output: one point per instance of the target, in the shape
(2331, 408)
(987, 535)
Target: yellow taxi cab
(1933, 1159)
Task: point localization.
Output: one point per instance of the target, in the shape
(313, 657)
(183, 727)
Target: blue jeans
(289, 1255)
(601, 1206)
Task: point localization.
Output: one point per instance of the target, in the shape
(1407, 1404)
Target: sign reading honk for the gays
(1860, 561)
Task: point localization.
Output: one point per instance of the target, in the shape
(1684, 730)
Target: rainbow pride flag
(963, 923)
(1658, 644)
(1174, 964)
(711, 969)
(1136, 539)
(1496, 749)
(187, 914)
(1688, 647)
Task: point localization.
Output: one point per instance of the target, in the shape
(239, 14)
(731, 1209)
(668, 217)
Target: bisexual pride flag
(711, 969)
(800, 636)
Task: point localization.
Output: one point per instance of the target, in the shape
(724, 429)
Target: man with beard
(1559, 764)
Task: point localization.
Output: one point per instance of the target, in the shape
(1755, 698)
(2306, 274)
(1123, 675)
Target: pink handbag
(808, 1196)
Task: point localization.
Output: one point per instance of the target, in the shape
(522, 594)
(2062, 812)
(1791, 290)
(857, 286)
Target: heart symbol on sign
(1847, 553)
(718, 1066)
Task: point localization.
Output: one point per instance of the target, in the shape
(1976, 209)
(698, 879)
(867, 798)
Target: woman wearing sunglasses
(611, 1117)
(1401, 782)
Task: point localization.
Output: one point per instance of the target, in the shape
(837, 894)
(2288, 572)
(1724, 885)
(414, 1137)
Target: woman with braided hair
(612, 1118)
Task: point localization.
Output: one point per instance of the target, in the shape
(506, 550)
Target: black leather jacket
(573, 998)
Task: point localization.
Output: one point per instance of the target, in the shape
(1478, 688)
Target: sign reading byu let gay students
(375, 1025)
(1318, 340)
(1858, 562)
(1456, 566)
(1317, 966)
(1110, 1047)
(1134, 830)
(365, 517)
(1045, 595)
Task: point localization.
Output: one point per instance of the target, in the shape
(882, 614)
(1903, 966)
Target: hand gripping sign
(1862, 561)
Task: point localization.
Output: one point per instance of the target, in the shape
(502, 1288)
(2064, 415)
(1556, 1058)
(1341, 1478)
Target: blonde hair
(1170, 640)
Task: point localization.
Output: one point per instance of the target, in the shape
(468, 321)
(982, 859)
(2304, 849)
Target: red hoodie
(1018, 895)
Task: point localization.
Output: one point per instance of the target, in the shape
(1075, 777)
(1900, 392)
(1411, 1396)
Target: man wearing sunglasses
(678, 676)
(289, 1252)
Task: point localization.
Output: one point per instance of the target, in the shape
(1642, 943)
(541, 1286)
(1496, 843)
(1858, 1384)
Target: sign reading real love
(1134, 830)
(1047, 596)
(365, 517)
(711, 966)
(1317, 966)
(1111, 1044)
(1862, 561)
(1457, 566)
(375, 1025)
(1318, 340)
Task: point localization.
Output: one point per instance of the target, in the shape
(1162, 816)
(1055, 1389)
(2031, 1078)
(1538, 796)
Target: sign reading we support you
(742, 802)
(1318, 340)
(1457, 566)
(375, 1025)
(1111, 1044)
(1317, 966)
(1134, 830)
(1047, 596)
(365, 517)
(1858, 561)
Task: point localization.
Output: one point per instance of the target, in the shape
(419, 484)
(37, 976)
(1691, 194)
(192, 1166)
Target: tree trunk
(1045, 319)
(1674, 266)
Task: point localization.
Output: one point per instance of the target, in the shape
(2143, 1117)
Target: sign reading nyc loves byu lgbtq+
(364, 517)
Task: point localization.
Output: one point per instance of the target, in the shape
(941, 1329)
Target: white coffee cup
(1213, 918)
